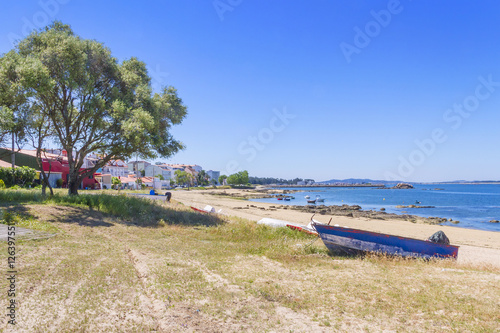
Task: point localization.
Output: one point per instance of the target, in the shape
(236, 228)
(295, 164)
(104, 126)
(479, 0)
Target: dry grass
(102, 274)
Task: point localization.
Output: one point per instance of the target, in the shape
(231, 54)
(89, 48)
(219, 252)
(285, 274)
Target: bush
(22, 175)
(59, 182)
(2, 184)
(104, 187)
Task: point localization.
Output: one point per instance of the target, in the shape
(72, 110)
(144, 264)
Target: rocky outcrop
(439, 238)
(414, 206)
(356, 211)
(494, 221)
(402, 186)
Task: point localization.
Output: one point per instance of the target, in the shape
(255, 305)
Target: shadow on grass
(89, 210)
(64, 214)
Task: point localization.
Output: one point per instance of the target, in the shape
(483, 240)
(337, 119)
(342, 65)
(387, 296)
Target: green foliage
(116, 182)
(138, 210)
(24, 176)
(269, 180)
(239, 178)
(2, 184)
(183, 178)
(222, 178)
(90, 101)
(202, 178)
(59, 182)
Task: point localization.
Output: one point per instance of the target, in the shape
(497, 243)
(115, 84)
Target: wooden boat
(311, 201)
(319, 199)
(350, 240)
(207, 210)
(281, 223)
(280, 198)
(302, 229)
(199, 210)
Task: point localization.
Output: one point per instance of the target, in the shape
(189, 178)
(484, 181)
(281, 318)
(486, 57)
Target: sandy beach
(476, 246)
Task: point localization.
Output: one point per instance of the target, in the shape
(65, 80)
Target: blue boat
(354, 240)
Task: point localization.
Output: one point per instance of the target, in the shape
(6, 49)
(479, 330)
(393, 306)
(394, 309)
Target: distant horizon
(289, 178)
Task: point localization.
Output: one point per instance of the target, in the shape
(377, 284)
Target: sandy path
(476, 246)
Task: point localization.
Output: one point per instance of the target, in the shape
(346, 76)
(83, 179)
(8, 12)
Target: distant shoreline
(385, 186)
(328, 185)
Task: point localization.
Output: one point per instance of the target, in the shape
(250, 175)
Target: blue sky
(319, 89)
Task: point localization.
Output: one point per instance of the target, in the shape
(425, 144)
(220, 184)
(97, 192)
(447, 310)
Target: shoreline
(393, 211)
(476, 246)
(352, 210)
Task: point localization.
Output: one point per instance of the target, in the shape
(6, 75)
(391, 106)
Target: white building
(135, 166)
(116, 168)
(213, 175)
(164, 170)
(195, 167)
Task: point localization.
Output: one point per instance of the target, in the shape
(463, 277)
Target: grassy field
(122, 264)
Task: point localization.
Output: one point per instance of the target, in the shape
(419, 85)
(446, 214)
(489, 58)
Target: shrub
(2, 184)
(59, 182)
(22, 175)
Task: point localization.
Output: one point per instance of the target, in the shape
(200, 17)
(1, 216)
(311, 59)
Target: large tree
(93, 103)
(183, 178)
(239, 178)
(202, 178)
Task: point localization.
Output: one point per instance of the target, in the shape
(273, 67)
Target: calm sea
(473, 205)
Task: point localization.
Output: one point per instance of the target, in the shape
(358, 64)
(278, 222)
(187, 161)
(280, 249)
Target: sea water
(474, 205)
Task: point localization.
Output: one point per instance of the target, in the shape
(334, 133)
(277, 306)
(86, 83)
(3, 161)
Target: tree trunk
(45, 184)
(73, 182)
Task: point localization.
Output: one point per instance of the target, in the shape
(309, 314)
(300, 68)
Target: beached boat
(207, 210)
(319, 199)
(286, 224)
(350, 240)
(303, 229)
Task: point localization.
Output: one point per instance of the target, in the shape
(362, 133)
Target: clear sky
(311, 89)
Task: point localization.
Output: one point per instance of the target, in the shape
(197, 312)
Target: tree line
(270, 180)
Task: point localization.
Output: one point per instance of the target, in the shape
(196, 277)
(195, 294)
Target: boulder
(439, 238)
(402, 186)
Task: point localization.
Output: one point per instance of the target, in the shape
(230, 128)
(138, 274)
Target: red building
(50, 162)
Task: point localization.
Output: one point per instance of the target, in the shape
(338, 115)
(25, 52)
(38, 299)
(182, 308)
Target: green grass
(139, 210)
(26, 221)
